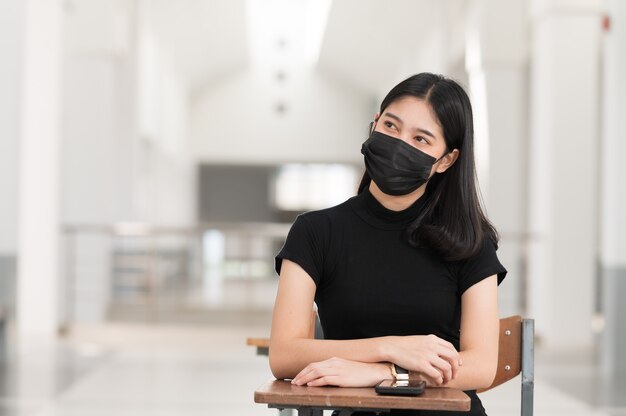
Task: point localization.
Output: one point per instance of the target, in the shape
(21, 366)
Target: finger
(311, 375)
(306, 373)
(453, 357)
(302, 372)
(324, 381)
(446, 344)
(450, 347)
(320, 369)
(444, 367)
(306, 370)
(431, 382)
(454, 371)
(454, 366)
(433, 373)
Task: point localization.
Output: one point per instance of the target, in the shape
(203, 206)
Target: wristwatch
(399, 373)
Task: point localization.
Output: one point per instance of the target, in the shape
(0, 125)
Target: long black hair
(452, 222)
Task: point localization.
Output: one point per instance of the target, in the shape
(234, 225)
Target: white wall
(11, 40)
(236, 121)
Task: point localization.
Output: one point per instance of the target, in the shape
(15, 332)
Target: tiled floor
(133, 370)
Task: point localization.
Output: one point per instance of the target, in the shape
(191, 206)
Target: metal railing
(141, 271)
(125, 270)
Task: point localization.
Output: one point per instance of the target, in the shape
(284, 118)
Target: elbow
(278, 370)
(278, 364)
(483, 383)
(488, 375)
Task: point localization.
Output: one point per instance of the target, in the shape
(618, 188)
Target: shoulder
(480, 266)
(326, 216)
(320, 225)
(311, 238)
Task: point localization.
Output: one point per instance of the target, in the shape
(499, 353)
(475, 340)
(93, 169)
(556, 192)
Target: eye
(390, 125)
(421, 139)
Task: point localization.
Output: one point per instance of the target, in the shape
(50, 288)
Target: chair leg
(528, 366)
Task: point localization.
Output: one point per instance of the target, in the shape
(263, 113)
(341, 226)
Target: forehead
(415, 113)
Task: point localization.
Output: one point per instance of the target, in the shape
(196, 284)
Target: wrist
(385, 371)
(385, 349)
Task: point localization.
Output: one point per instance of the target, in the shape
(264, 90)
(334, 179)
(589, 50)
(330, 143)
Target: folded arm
(479, 336)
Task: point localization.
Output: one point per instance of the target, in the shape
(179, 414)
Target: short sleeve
(480, 267)
(304, 246)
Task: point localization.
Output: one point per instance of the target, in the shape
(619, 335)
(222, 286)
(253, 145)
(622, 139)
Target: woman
(404, 274)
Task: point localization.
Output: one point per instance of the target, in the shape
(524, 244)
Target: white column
(498, 81)
(11, 29)
(11, 33)
(613, 201)
(38, 174)
(564, 179)
(98, 140)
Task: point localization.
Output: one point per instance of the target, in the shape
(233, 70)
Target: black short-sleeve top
(371, 282)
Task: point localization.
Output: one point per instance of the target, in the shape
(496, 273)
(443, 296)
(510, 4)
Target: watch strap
(399, 373)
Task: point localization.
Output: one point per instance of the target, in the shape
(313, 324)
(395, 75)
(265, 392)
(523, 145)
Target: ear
(373, 123)
(447, 161)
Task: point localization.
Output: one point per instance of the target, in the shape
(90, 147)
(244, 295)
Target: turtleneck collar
(374, 213)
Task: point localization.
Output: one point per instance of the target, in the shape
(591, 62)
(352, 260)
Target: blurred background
(153, 154)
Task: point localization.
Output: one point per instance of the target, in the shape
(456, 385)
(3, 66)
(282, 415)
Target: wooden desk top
(279, 392)
(258, 342)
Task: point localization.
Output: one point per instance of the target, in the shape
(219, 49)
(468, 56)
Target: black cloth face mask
(397, 167)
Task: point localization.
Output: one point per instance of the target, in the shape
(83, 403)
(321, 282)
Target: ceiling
(205, 38)
(369, 42)
(365, 43)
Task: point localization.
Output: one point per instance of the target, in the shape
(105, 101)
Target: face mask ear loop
(444, 155)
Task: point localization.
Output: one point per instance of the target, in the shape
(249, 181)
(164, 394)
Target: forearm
(478, 371)
(289, 357)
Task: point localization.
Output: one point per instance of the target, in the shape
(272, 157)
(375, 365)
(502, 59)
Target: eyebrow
(399, 120)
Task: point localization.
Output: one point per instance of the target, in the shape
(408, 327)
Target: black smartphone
(401, 387)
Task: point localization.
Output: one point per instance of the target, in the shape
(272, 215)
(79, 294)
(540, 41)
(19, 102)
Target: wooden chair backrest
(509, 351)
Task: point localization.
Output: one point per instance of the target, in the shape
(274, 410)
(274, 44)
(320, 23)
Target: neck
(393, 202)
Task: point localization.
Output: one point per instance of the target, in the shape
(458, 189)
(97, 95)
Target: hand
(430, 382)
(343, 373)
(435, 358)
